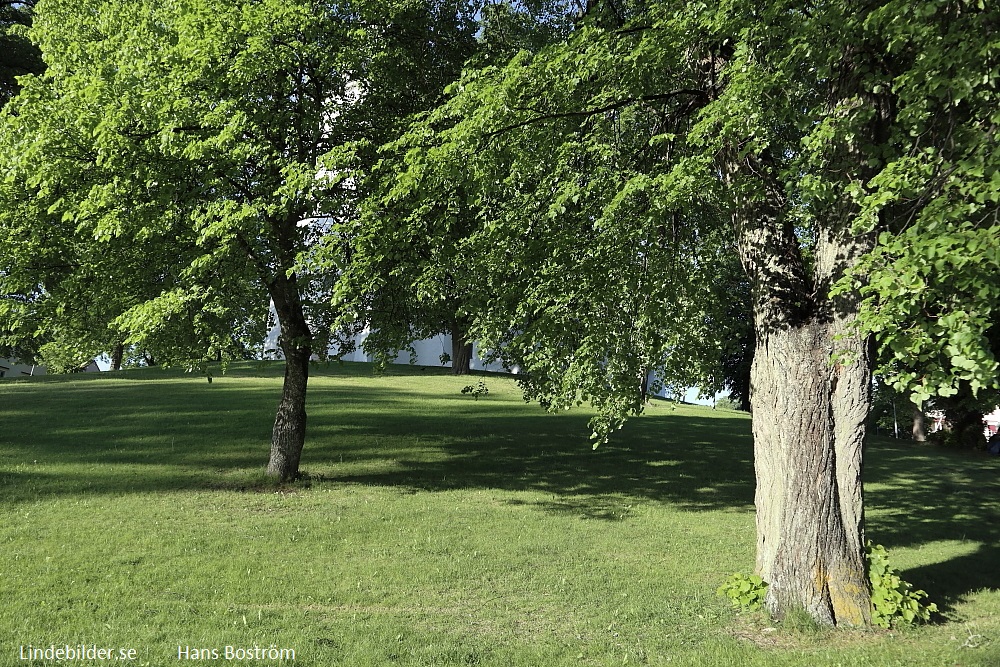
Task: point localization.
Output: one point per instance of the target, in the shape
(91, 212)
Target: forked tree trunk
(809, 407)
(811, 372)
(289, 434)
(461, 350)
(644, 381)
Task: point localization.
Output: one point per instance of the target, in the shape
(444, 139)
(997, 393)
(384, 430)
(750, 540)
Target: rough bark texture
(811, 374)
(288, 436)
(461, 350)
(810, 391)
(807, 445)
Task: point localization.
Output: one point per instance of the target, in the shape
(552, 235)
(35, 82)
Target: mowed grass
(435, 529)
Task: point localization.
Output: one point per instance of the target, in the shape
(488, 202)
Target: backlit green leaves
(930, 298)
(744, 591)
(158, 170)
(584, 231)
(932, 285)
(595, 167)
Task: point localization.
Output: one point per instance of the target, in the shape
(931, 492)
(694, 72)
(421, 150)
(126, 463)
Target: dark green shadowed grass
(435, 529)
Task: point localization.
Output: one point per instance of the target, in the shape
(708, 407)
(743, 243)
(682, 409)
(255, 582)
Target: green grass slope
(434, 529)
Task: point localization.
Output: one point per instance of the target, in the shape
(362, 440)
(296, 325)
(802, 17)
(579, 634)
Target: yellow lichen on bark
(849, 600)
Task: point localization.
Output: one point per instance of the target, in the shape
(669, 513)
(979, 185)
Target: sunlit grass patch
(434, 529)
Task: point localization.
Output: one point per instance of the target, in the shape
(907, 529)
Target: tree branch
(593, 112)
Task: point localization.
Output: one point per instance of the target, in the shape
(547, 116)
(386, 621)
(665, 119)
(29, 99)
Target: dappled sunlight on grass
(410, 427)
(432, 528)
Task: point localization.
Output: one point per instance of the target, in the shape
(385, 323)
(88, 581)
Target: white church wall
(428, 352)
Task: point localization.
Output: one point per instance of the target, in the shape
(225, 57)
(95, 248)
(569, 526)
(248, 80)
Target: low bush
(894, 601)
(745, 591)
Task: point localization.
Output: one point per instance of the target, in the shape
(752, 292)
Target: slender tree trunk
(289, 434)
(919, 428)
(461, 349)
(117, 354)
(644, 387)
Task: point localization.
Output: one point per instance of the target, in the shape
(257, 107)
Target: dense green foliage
(576, 198)
(156, 175)
(130, 189)
(165, 178)
(572, 212)
(413, 270)
(565, 287)
(931, 284)
(18, 57)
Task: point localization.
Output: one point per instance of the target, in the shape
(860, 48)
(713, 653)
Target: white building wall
(428, 352)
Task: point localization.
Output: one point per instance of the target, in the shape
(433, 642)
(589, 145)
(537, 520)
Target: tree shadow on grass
(951, 581)
(117, 437)
(124, 437)
(920, 494)
(694, 464)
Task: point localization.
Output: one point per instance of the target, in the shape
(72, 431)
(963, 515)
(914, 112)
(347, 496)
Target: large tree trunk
(461, 349)
(289, 434)
(808, 427)
(811, 373)
(809, 407)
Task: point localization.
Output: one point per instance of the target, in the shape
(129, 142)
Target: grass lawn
(435, 529)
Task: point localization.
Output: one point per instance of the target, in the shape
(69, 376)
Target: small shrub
(726, 403)
(894, 602)
(745, 591)
(477, 390)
